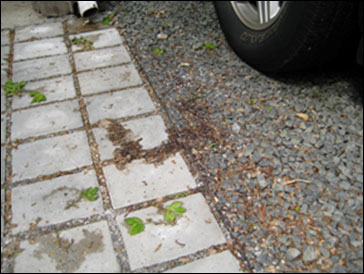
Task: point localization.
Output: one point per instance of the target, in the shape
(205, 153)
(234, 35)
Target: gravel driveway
(281, 161)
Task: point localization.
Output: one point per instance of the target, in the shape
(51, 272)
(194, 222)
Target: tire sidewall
(271, 43)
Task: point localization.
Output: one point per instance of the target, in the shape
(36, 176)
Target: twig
(295, 181)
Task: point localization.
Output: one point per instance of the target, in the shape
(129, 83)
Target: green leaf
(252, 102)
(91, 194)
(174, 211)
(210, 46)
(12, 88)
(175, 205)
(136, 229)
(37, 97)
(158, 51)
(106, 20)
(133, 220)
(170, 216)
(136, 225)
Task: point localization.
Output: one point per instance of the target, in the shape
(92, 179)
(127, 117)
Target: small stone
(309, 254)
(293, 253)
(162, 36)
(262, 182)
(236, 128)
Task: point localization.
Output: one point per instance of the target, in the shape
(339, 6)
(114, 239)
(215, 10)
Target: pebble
(162, 36)
(293, 253)
(262, 181)
(309, 254)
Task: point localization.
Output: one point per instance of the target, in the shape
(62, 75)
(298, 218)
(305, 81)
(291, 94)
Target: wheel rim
(257, 15)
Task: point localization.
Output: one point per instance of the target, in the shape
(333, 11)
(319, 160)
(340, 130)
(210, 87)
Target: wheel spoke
(263, 11)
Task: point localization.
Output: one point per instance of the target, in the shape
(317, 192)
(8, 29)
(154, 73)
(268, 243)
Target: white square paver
(3, 100)
(83, 249)
(5, 54)
(38, 48)
(99, 38)
(41, 68)
(3, 128)
(50, 155)
(2, 214)
(55, 89)
(108, 79)
(5, 37)
(4, 78)
(101, 58)
(151, 129)
(140, 182)
(195, 231)
(2, 165)
(51, 29)
(51, 200)
(119, 104)
(45, 119)
(223, 262)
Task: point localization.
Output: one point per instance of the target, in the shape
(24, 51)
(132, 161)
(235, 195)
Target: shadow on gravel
(327, 76)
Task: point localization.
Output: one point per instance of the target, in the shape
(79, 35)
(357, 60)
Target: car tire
(302, 35)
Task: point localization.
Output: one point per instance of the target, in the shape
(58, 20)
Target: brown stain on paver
(129, 149)
(67, 255)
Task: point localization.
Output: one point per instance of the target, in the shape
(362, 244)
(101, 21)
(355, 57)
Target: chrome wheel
(257, 15)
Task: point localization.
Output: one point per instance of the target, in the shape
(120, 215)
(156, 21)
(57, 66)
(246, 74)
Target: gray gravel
(289, 190)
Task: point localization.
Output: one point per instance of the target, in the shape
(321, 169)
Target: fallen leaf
(303, 116)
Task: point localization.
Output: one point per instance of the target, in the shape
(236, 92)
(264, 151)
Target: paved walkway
(55, 150)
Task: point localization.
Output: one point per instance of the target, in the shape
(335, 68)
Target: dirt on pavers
(191, 138)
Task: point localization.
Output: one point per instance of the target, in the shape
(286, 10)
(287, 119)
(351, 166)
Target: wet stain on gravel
(68, 255)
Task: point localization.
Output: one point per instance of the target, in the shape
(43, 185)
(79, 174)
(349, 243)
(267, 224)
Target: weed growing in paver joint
(86, 44)
(170, 216)
(12, 89)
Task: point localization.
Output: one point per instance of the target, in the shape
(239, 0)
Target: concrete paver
(3, 98)
(83, 249)
(131, 186)
(51, 29)
(99, 38)
(119, 104)
(5, 37)
(4, 54)
(3, 128)
(50, 155)
(2, 162)
(101, 58)
(108, 79)
(151, 129)
(41, 68)
(4, 78)
(38, 48)
(223, 262)
(46, 119)
(59, 88)
(196, 230)
(50, 138)
(54, 201)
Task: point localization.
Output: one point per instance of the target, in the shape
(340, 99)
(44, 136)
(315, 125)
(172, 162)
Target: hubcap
(257, 15)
